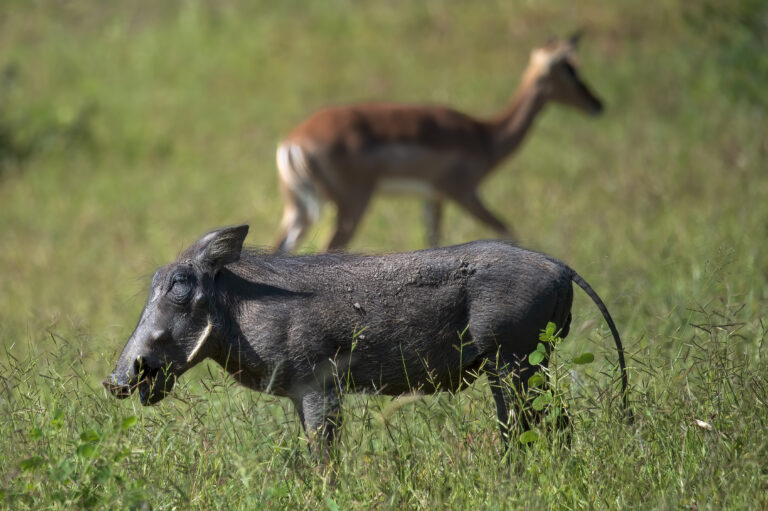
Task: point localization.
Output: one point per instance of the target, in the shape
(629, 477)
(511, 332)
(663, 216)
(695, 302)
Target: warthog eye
(181, 288)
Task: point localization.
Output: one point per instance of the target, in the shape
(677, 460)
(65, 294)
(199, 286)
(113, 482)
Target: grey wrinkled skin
(310, 328)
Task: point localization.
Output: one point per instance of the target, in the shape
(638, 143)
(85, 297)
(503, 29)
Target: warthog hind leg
(320, 414)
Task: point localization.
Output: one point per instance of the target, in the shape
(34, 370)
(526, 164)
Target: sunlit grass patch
(127, 130)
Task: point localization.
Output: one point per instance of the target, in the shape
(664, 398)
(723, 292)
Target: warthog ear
(218, 248)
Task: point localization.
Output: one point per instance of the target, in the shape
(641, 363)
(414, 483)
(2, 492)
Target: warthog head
(177, 320)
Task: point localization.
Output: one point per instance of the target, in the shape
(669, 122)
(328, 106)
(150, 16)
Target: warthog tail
(608, 319)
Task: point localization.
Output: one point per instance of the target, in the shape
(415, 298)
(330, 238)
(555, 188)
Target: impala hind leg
(473, 205)
(300, 195)
(348, 216)
(433, 215)
(296, 220)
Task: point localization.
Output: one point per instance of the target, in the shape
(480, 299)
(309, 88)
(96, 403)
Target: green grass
(129, 129)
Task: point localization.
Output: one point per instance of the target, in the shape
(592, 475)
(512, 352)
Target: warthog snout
(153, 383)
(119, 390)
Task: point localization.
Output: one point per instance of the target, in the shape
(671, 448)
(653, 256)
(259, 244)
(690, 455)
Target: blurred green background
(128, 129)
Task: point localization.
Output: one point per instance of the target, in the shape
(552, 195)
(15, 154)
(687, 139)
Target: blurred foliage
(11, 148)
(736, 35)
(35, 128)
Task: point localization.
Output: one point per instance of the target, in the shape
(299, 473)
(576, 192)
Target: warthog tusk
(200, 340)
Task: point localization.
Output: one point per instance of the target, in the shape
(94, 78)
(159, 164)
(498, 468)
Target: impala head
(553, 69)
(177, 320)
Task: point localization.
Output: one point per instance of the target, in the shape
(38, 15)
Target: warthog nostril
(138, 365)
(116, 389)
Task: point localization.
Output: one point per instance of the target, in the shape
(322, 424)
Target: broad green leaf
(541, 401)
(129, 422)
(58, 417)
(548, 333)
(540, 347)
(31, 463)
(86, 450)
(123, 453)
(103, 474)
(35, 433)
(332, 505)
(536, 358)
(61, 471)
(584, 358)
(90, 436)
(526, 437)
(536, 380)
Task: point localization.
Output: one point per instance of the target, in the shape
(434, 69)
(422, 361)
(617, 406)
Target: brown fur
(345, 154)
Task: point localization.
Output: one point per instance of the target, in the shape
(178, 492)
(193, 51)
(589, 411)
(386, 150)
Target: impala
(345, 154)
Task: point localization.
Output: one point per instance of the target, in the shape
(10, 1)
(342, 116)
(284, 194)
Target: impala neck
(508, 129)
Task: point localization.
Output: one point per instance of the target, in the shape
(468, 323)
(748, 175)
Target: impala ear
(573, 40)
(218, 248)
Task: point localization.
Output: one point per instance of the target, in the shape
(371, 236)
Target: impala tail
(302, 199)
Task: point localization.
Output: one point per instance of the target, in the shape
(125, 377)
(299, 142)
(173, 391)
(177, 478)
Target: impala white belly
(409, 168)
(409, 159)
(394, 168)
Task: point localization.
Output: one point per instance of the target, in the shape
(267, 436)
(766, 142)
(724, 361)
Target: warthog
(297, 326)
